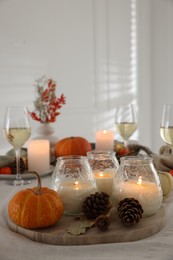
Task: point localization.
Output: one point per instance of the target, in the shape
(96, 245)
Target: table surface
(14, 246)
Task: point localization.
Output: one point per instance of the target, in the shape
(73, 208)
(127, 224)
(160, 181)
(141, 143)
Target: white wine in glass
(166, 127)
(126, 121)
(17, 131)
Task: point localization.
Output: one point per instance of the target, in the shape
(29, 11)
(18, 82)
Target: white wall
(161, 62)
(100, 52)
(155, 63)
(84, 45)
(53, 38)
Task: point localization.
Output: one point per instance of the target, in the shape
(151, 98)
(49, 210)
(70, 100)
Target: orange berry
(5, 170)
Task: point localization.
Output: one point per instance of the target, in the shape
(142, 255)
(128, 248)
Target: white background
(100, 52)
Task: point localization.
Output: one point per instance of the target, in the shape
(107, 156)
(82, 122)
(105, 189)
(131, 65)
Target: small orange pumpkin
(37, 207)
(72, 146)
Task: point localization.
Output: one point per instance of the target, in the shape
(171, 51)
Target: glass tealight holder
(104, 165)
(137, 178)
(73, 180)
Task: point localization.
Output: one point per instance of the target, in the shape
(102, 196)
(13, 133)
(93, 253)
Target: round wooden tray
(57, 234)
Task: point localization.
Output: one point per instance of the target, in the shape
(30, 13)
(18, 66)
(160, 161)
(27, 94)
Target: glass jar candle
(72, 178)
(137, 178)
(104, 165)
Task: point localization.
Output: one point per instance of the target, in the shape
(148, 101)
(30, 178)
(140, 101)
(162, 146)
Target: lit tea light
(104, 181)
(73, 195)
(149, 194)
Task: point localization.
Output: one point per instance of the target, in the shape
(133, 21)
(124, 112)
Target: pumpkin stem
(38, 188)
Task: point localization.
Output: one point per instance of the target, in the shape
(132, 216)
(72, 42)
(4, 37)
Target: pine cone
(130, 211)
(103, 222)
(22, 166)
(96, 205)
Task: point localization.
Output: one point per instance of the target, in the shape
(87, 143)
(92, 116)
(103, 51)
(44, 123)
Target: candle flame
(139, 180)
(101, 174)
(104, 131)
(76, 185)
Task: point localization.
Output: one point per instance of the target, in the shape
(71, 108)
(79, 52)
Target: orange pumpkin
(37, 207)
(72, 146)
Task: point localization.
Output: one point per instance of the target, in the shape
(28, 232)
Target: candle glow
(76, 185)
(139, 180)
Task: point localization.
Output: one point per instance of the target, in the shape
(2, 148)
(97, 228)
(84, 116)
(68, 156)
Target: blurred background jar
(73, 180)
(137, 178)
(104, 165)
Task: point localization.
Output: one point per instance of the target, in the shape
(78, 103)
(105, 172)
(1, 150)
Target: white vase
(46, 131)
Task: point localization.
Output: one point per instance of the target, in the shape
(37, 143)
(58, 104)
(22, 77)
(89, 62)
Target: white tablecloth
(17, 247)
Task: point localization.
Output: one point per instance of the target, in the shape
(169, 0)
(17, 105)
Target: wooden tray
(57, 234)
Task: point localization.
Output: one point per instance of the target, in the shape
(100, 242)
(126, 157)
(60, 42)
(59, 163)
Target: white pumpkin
(166, 181)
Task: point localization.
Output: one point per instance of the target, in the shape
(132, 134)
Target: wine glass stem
(126, 143)
(18, 175)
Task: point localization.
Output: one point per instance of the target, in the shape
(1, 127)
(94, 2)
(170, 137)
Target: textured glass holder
(73, 180)
(104, 165)
(137, 178)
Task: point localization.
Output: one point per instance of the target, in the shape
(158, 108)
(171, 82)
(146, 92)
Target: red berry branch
(47, 105)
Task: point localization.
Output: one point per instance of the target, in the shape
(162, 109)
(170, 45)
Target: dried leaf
(79, 227)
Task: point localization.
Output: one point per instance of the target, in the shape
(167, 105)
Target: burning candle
(104, 140)
(73, 180)
(104, 181)
(149, 194)
(39, 156)
(73, 195)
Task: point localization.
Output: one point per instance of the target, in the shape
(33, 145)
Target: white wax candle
(148, 194)
(104, 181)
(73, 195)
(39, 156)
(104, 140)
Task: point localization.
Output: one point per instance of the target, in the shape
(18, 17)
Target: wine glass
(17, 131)
(126, 121)
(166, 127)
